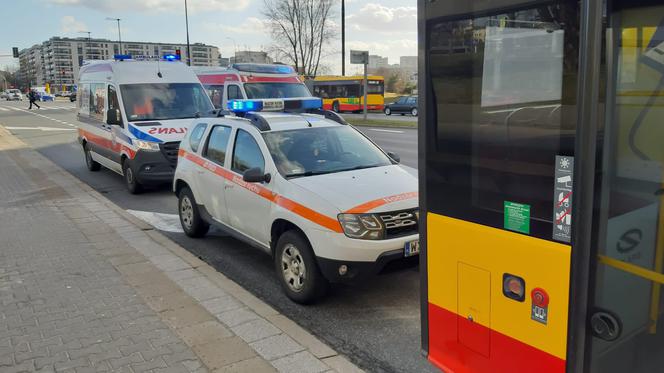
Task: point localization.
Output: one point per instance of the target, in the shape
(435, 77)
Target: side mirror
(395, 157)
(113, 117)
(256, 175)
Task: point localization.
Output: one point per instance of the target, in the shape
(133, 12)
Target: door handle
(605, 325)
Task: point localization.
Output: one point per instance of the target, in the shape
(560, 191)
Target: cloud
(384, 20)
(392, 49)
(251, 25)
(172, 6)
(69, 24)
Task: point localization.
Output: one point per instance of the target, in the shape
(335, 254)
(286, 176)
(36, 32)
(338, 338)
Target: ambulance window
(97, 100)
(247, 154)
(196, 136)
(234, 92)
(217, 144)
(113, 102)
(503, 105)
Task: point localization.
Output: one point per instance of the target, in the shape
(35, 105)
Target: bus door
(626, 328)
(498, 94)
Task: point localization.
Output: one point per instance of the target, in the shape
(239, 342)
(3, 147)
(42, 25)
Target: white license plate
(411, 248)
(275, 105)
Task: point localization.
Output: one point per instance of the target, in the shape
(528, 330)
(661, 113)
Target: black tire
(388, 111)
(402, 114)
(313, 285)
(335, 106)
(413, 111)
(133, 186)
(89, 162)
(190, 217)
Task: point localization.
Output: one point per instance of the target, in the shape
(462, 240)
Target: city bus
(346, 93)
(542, 185)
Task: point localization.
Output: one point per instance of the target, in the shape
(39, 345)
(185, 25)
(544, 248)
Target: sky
(384, 27)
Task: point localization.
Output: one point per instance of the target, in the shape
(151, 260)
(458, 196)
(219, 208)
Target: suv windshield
(275, 90)
(164, 101)
(316, 151)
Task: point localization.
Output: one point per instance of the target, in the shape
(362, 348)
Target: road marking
(161, 221)
(4, 109)
(388, 131)
(41, 128)
(44, 116)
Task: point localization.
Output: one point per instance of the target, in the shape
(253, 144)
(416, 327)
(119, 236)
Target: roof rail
(258, 120)
(329, 114)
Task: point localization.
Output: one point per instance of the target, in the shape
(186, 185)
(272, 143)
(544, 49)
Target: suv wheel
(190, 218)
(89, 162)
(413, 111)
(388, 111)
(297, 269)
(133, 186)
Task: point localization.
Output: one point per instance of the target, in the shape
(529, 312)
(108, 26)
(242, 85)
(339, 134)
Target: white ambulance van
(252, 81)
(132, 115)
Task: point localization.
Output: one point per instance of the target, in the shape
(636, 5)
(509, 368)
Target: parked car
(403, 105)
(280, 181)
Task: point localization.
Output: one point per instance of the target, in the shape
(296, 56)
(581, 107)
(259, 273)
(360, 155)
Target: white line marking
(46, 129)
(4, 109)
(163, 222)
(389, 131)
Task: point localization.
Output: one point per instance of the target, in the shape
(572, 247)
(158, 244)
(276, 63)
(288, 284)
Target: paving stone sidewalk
(85, 287)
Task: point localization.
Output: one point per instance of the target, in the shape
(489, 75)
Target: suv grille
(170, 151)
(400, 223)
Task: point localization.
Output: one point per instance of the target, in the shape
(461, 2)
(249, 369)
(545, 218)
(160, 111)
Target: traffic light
(15, 52)
(178, 54)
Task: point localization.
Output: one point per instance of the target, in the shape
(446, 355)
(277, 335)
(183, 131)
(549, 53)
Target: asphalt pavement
(375, 323)
(382, 116)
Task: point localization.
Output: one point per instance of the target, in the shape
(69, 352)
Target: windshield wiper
(309, 173)
(361, 167)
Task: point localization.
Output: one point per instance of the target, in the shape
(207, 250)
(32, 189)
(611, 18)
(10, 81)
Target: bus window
(506, 84)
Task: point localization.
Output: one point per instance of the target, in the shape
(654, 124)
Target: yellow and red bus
(346, 93)
(542, 185)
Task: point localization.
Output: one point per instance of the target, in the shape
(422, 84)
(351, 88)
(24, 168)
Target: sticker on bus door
(562, 198)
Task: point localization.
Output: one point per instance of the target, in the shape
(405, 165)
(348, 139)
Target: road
(381, 116)
(376, 323)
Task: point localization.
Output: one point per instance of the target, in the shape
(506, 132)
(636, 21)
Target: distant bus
(345, 93)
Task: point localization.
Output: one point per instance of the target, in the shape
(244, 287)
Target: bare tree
(300, 29)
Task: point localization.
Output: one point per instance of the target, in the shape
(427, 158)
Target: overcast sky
(384, 27)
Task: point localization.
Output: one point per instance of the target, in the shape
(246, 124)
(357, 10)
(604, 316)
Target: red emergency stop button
(540, 297)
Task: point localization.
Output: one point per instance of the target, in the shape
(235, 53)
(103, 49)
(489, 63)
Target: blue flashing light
(171, 57)
(244, 106)
(312, 103)
(263, 68)
(122, 57)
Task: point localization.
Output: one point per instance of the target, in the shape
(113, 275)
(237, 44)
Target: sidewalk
(86, 287)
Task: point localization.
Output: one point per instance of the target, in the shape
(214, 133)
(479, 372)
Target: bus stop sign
(359, 57)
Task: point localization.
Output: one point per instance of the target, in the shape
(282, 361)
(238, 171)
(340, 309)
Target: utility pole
(343, 37)
(186, 21)
(119, 34)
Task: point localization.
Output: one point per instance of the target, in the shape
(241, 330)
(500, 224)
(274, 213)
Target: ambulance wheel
(190, 218)
(335, 106)
(89, 162)
(133, 186)
(297, 269)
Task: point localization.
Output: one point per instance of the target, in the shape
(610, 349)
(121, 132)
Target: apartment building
(57, 60)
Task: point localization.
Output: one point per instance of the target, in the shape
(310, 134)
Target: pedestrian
(32, 96)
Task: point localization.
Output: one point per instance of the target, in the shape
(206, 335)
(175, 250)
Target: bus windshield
(275, 90)
(164, 101)
(317, 151)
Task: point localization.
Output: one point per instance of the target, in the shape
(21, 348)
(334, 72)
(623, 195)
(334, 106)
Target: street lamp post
(119, 35)
(234, 46)
(186, 21)
(87, 48)
(343, 37)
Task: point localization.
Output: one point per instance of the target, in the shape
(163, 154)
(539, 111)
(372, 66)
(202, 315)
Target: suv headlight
(362, 226)
(147, 145)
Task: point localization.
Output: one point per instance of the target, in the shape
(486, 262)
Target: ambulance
(252, 81)
(132, 115)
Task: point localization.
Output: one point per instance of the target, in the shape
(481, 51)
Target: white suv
(308, 188)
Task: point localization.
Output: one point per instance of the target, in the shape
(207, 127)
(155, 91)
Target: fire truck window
(504, 88)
